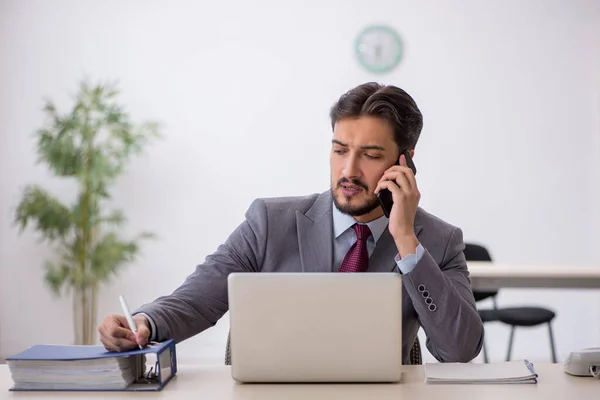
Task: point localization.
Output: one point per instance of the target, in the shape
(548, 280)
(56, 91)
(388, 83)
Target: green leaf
(110, 254)
(59, 151)
(56, 276)
(85, 211)
(48, 214)
(79, 275)
(115, 218)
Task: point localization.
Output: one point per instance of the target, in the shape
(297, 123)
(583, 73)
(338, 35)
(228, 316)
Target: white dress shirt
(344, 238)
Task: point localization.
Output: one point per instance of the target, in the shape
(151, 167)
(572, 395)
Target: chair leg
(485, 354)
(510, 342)
(552, 347)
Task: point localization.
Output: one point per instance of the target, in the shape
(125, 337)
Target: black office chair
(415, 352)
(513, 316)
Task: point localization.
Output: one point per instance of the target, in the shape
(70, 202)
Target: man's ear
(412, 153)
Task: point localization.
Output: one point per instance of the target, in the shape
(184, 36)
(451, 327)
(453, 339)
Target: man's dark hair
(390, 103)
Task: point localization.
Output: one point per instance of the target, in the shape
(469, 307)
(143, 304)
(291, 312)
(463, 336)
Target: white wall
(509, 152)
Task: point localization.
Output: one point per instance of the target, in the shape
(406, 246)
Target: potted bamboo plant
(90, 144)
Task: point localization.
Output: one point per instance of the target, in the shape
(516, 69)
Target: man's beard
(354, 210)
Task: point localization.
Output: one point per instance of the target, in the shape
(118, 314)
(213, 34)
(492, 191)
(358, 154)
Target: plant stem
(77, 321)
(85, 239)
(93, 310)
(85, 314)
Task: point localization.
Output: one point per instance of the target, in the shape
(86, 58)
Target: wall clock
(378, 48)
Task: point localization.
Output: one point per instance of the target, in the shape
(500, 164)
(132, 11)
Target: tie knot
(362, 231)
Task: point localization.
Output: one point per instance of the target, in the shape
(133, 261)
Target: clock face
(378, 48)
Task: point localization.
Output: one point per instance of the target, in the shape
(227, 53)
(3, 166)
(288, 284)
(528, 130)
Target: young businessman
(341, 230)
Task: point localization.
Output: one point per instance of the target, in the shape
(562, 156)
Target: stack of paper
(470, 373)
(49, 367)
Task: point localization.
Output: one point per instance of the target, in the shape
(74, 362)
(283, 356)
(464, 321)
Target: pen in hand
(128, 316)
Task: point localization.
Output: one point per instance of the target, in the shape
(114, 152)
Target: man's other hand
(115, 334)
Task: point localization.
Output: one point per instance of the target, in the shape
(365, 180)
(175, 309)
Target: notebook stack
(511, 372)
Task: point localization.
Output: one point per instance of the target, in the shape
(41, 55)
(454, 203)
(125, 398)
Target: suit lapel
(315, 235)
(382, 259)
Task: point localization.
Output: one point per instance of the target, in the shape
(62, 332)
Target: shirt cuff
(152, 326)
(406, 264)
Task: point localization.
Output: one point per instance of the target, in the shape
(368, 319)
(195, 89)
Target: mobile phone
(385, 196)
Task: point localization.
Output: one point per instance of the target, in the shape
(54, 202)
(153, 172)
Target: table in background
(215, 383)
(494, 276)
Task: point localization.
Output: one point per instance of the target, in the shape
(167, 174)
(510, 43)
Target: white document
(470, 373)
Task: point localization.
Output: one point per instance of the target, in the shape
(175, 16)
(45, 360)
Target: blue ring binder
(56, 357)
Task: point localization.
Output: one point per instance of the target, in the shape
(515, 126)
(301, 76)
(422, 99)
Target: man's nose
(351, 169)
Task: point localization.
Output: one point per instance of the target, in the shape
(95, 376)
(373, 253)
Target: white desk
(493, 276)
(215, 383)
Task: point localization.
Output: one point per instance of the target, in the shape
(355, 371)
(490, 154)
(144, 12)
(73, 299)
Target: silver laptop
(315, 327)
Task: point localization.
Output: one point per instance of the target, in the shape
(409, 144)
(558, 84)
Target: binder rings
(92, 368)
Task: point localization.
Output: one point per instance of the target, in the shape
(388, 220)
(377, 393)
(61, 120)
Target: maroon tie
(357, 258)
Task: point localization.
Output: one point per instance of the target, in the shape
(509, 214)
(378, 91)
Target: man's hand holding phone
(400, 181)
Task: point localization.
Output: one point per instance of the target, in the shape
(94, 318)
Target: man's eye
(337, 151)
(372, 157)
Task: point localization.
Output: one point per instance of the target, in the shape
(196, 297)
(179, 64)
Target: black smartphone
(385, 196)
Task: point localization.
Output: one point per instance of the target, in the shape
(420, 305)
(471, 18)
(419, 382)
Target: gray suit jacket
(295, 234)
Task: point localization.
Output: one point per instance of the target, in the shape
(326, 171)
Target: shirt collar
(342, 222)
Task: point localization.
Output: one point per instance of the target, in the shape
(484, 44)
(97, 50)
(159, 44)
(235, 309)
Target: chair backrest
(476, 252)
(415, 352)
